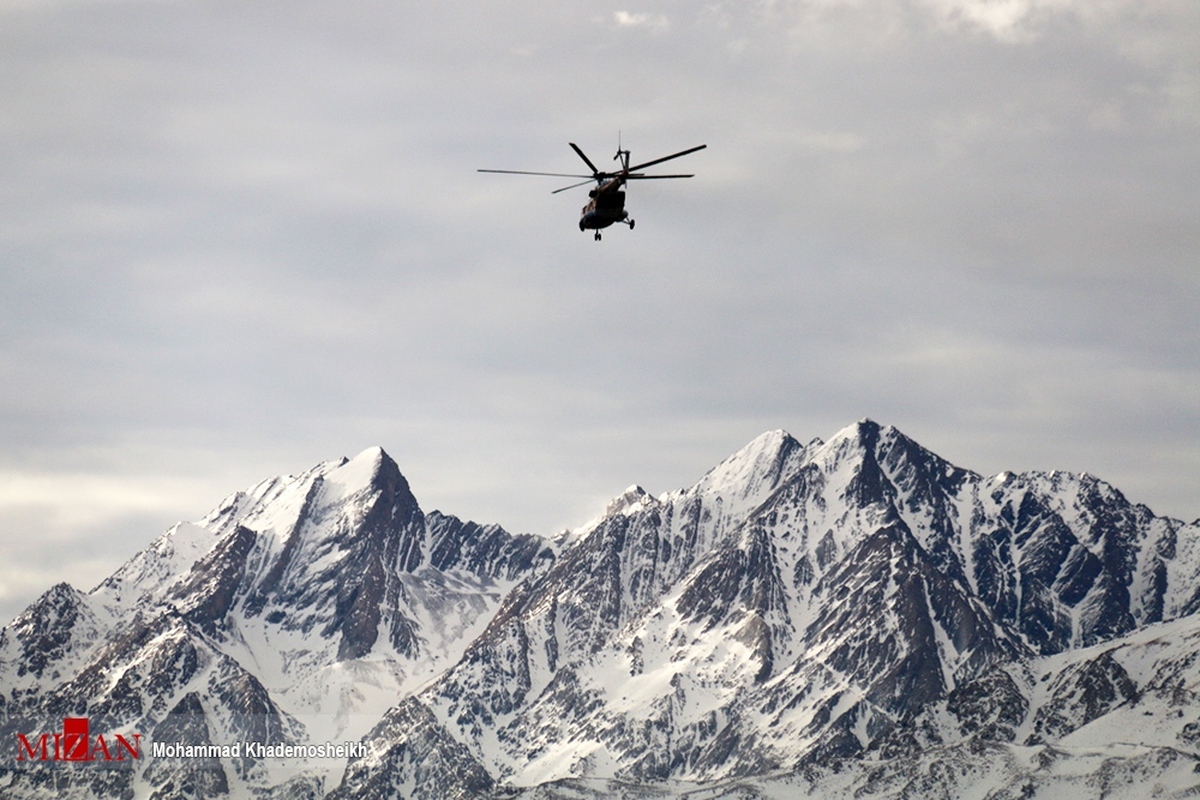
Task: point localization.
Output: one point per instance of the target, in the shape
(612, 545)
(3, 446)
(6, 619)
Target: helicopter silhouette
(607, 203)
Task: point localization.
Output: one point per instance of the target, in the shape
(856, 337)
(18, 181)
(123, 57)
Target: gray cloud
(239, 239)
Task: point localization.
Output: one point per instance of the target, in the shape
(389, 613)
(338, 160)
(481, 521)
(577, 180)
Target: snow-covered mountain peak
(877, 467)
(630, 501)
(372, 469)
(844, 453)
(46, 640)
(745, 479)
(863, 430)
(274, 506)
(869, 439)
(277, 532)
(765, 456)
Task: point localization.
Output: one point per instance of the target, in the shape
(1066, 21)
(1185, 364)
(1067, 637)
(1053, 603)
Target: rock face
(803, 604)
(294, 613)
(857, 614)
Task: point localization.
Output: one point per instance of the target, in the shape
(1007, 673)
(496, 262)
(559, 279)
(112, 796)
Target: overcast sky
(241, 238)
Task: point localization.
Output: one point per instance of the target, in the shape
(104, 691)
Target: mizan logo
(76, 743)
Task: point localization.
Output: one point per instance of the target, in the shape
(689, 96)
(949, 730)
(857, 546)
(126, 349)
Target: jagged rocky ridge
(801, 605)
(296, 612)
(855, 617)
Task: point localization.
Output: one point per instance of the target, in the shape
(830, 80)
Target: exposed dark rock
(1082, 693)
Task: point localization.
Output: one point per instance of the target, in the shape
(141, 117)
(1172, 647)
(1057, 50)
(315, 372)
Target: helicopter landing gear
(597, 236)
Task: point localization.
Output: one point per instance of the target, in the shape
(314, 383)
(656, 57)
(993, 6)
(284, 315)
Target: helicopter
(607, 204)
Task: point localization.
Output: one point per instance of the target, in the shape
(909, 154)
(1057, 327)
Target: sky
(238, 239)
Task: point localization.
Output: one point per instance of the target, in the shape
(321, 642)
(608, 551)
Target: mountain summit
(297, 611)
(829, 618)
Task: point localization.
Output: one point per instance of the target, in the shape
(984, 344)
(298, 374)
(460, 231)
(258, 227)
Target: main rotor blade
(523, 172)
(654, 177)
(586, 160)
(573, 186)
(667, 158)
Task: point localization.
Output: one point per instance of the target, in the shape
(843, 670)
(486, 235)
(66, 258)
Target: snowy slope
(295, 612)
(846, 618)
(799, 604)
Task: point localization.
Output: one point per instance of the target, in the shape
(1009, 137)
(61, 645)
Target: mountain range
(846, 618)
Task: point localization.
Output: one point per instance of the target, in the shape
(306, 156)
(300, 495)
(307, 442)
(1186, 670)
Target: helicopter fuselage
(607, 205)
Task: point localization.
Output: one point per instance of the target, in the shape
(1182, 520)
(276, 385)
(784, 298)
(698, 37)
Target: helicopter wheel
(631, 224)
(597, 236)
